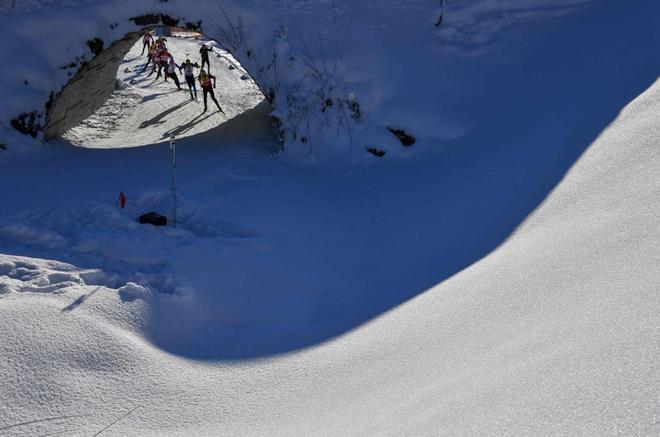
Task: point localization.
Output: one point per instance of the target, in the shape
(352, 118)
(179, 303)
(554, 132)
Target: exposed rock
(374, 151)
(405, 138)
(153, 218)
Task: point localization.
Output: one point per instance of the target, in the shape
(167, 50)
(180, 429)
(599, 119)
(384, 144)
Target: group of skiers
(163, 64)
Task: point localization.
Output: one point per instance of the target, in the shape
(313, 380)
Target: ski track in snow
(144, 110)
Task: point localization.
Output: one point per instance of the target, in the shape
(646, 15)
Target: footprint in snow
(22, 275)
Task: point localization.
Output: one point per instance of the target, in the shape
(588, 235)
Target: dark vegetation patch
(28, 123)
(146, 19)
(354, 107)
(79, 63)
(51, 100)
(374, 151)
(95, 45)
(405, 138)
(153, 19)
(270, 94)
(327, 104)
(197, 27)
(169, 21)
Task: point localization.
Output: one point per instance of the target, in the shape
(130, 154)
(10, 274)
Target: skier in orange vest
(151, 57)
(207, 81)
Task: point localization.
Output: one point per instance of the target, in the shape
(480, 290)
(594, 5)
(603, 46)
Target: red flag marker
(122, 200)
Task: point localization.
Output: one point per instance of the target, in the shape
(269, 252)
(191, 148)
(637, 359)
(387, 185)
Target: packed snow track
(143, 109)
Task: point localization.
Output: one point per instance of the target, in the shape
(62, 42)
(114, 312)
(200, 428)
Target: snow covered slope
(334, 69)
(500, 280)
(553, 333)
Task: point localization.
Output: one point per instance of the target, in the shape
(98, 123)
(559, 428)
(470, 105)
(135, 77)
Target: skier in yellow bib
(207, 81)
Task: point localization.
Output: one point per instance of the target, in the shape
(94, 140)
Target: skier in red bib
(160, 42)
(162, 66)
(207, 81)
(160, 62)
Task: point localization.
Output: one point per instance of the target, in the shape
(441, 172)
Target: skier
(147, 40)
(204, 51)
(151, 57)
(161, 59)
(160, 42)
(189, 73)
(164, 62)
(155, 60)
(170, 71)
(207, 87)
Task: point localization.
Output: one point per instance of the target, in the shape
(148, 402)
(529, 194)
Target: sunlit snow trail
(144, 110)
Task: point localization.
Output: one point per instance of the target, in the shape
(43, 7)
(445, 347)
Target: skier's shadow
(159, 119)
(188, 126)
(155, 96)
(80, 300)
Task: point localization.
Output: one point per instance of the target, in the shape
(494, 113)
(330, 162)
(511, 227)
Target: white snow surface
(499, 277)
(307, 52)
